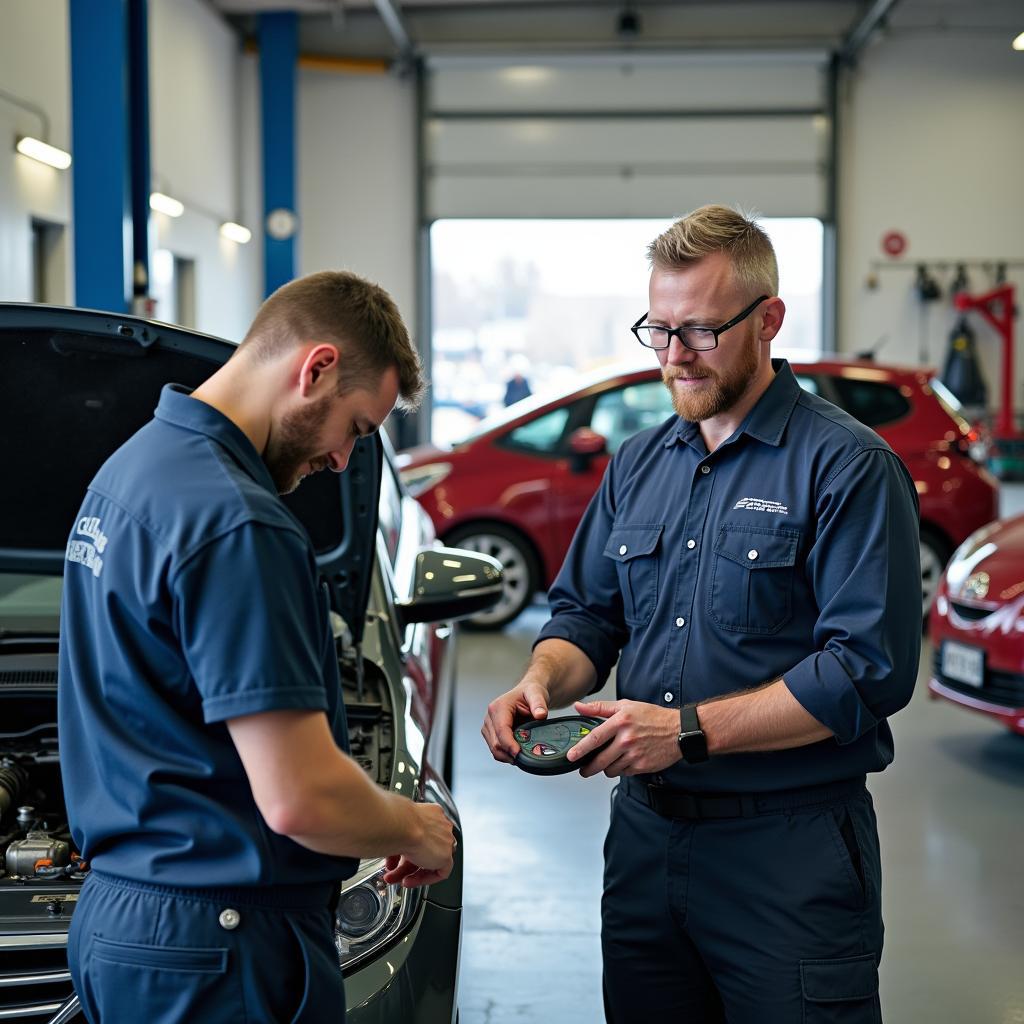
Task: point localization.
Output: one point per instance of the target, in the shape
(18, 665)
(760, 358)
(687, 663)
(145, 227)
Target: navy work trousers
(180, 956)
(773, 918)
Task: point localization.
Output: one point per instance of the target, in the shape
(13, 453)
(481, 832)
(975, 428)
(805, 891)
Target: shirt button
(691, 544)
(668, 698)
(680, 622)
(752, 554)
(229, 919)
(705, 470)
(623, 549)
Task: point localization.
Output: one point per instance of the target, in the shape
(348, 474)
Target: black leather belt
(679, 803)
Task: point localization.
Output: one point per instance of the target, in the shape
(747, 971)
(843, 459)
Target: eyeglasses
(699, 339)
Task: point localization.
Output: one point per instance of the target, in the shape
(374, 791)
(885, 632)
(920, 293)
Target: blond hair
(712, 229)
(346, 310)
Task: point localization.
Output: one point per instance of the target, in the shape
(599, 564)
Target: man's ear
(318, 364)
(773, 313)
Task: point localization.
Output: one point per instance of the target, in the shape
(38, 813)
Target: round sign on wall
(894, 243)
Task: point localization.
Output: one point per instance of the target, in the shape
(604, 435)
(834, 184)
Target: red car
(977, 625)
(518, 485)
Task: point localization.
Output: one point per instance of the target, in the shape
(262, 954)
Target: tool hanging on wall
(962, 372)
(928, 291)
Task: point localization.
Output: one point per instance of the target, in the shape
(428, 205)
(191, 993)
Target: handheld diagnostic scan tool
(545, 742)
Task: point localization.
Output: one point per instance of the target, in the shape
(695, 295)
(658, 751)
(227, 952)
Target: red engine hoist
(999, 309)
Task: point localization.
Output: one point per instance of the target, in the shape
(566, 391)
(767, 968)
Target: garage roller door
(626, 137)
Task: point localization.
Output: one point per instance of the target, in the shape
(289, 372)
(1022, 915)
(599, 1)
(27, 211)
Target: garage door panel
(638, 140)
(502, 194)
(705, 82)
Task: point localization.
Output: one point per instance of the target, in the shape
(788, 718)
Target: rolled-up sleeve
(585, 601)
(864, 569)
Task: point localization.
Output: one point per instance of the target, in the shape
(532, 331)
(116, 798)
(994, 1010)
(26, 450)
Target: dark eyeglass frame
(678, 331)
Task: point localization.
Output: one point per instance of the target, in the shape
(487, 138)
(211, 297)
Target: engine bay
(36, 847)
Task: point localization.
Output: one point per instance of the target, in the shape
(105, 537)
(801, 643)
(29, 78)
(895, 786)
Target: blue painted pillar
(138, 145)
(101, 182)
(279, 52)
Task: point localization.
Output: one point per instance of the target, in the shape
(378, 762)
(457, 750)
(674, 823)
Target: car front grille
(34, 978)
(1004, 688)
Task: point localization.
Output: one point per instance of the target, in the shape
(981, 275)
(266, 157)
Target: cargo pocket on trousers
(169, 981)
(843, 991)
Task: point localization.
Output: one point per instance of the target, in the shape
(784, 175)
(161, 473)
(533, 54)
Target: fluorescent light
(165, 204)
(44, 153)
(236, 232)
(1018, 43)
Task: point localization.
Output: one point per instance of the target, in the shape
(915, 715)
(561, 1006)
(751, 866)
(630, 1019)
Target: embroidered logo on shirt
(762, 505)
(85, 553)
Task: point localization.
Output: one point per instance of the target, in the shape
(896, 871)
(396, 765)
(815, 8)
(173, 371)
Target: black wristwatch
(693, 744)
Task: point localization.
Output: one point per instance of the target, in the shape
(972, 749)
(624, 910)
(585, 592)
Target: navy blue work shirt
(191, 596)
(790, 551)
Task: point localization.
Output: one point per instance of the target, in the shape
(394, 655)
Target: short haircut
(712, 229)
(346, 310)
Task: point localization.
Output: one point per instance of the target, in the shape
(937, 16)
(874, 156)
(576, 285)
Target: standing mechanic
(203, 736)
(754, 561)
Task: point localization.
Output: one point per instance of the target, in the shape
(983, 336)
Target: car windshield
(29, 604)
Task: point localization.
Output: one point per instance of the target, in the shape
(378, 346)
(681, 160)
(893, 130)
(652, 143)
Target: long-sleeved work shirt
(790, 551)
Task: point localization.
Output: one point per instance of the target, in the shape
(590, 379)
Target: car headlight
(371, 914)
(419, 479)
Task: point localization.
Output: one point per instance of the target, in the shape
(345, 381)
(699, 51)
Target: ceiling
(359, 28)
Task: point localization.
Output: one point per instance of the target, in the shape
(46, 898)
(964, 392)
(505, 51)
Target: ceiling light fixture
(1018, 43)
(165, 204)
(236, 232)
(36, 149)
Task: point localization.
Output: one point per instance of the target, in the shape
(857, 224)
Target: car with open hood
(77, 385)
(977, 625)
(517, 486)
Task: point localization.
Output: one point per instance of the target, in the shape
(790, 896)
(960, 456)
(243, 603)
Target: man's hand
(530, 699)
(640, 738)
(432, 858)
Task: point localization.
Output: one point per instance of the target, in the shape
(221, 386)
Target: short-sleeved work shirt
(790, 551)
(191, 596)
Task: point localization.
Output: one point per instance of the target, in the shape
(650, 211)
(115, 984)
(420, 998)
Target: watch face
(281, 223)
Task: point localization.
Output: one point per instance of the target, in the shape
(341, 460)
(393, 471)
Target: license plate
(962, 663)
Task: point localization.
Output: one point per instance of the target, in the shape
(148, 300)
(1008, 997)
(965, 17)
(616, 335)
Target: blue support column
(279, 51)
(99, 138)
(138, 64)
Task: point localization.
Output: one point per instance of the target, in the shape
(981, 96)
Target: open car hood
(78, 383)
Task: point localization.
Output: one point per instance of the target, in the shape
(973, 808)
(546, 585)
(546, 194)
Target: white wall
(195, 133)
(357, 179)
(34, 60)
(933, 147)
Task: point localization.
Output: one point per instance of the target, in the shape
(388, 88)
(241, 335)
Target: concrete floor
(952, 834)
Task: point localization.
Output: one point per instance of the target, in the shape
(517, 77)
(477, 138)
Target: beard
(722, 390)
(289, 445)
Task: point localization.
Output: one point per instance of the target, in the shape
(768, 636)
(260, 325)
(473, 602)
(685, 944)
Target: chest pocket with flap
(634, 549)
(752, 578)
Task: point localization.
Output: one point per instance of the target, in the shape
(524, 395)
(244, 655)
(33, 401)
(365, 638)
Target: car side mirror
(450, 583)
(584, 446)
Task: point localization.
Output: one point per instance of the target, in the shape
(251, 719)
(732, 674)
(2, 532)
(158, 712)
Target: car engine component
(13, 780)
(36, 852)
